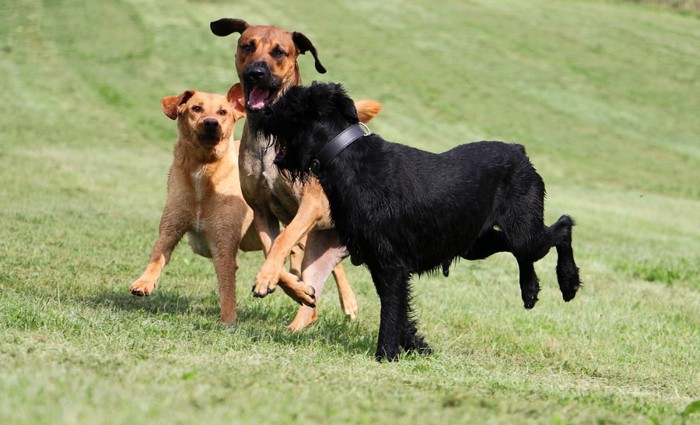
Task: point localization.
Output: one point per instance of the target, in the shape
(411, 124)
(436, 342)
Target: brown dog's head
(266, 59)
(205, 117)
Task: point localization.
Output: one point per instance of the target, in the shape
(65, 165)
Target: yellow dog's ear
(170, 104)
(237, 99)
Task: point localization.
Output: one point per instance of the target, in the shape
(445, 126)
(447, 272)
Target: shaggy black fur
(401, 211)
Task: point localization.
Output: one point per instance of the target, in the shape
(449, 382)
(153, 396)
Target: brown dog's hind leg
(348, 300)
(323, 253)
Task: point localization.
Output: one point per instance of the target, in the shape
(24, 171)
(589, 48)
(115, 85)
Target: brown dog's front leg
(267, 227)
(308, 215)
(297, 290)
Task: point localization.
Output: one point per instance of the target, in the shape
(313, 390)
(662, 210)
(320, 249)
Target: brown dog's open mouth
(260, 97)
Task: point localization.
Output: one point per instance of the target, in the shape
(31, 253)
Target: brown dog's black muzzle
(260, 85)
(257, 73)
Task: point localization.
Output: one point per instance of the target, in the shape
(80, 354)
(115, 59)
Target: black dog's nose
(211, 123)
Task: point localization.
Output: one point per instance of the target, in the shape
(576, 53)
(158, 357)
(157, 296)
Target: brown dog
(204, 196)
(266, 63)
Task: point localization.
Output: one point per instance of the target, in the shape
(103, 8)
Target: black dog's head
(304, 120)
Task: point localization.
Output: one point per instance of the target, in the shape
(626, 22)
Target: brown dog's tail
(367, 109)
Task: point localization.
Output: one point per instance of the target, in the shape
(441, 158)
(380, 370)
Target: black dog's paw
(417, 345)
(529, 301)
(446, 269)
(386, 353)
(569, 281)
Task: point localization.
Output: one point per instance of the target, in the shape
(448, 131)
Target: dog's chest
(198, 181)
(261, 179)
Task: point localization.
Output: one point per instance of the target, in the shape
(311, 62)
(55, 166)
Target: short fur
(204, 195)
(402, 211)
(266, 64)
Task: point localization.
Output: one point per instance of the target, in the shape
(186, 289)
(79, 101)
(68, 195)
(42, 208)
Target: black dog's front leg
(392, 288)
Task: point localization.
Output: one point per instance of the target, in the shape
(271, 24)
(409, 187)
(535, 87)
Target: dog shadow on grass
(258, 320)
(164, 303)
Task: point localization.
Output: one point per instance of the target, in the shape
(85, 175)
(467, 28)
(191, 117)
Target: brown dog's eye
(222, 112)
(197, 108)
(278, 53)
(247, 49)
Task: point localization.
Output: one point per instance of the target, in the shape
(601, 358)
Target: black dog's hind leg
(487, 244)
(394, 324)
(567, 271)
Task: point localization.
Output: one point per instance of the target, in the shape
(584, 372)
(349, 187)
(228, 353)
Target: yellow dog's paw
(142, 287)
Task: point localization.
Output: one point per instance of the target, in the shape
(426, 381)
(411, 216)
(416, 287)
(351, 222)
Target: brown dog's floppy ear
(304, 45)
(170, 104)
(367, 109)
(236, 97)
(226, 26)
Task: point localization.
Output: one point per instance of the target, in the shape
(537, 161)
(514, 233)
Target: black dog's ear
(333, 95)
(227, 26)
(304, 45)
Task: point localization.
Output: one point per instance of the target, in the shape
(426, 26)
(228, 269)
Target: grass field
(604, 95)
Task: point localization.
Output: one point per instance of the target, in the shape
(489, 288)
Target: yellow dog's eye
(222, 112)
(197, 108)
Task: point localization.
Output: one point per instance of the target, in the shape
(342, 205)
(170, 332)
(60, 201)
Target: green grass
(603, 94)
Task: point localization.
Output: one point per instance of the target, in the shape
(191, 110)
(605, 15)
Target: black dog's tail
(567, 271)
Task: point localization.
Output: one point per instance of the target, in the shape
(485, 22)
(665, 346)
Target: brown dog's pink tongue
(257, 98)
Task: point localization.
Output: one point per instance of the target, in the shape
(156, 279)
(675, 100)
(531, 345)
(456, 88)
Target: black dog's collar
(335, 146)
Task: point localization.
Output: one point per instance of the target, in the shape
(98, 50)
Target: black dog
(401, 211)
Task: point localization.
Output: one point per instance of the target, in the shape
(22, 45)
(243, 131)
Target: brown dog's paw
(266, 280)
(305, 316)
(142, 288)
(262, 289)
(297, 290)
(349, 306)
